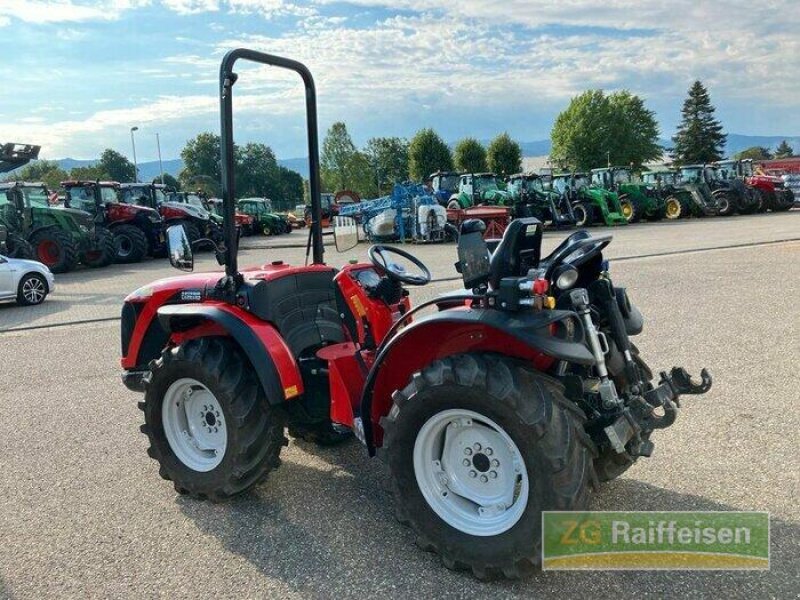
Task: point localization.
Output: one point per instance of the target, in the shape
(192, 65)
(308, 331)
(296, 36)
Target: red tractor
(514, 397)
(136, 230)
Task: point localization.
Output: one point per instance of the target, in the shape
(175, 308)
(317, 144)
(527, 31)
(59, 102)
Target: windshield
(747, 169)
(135, 195)
(580, 180)
(485, 183)
(560, 184)
(82, 198)
(622, 176)
(712, 174)
(690, 173)
(194, 200)
(250, 208)
(108, 194)
(447, 183)
(35, 196)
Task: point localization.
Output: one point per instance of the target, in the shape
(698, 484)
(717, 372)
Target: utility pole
(135, 165)
(160, 165)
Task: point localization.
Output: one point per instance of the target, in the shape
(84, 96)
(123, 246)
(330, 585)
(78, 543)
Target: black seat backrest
(517, 252)
(302, 306)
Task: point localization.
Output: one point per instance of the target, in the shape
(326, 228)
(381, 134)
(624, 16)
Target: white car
(26, 281)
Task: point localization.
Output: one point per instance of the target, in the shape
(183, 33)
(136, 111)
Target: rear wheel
(210, 426)
(584, 214)
(56, 249)
(17, 247)
(673, 208)
(32, 290)
(103, 252)
(130, 244)
(783, 201)
(478, 446)
(725, 207)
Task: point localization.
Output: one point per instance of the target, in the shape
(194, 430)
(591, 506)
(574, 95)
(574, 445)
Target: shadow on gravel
(326, 531)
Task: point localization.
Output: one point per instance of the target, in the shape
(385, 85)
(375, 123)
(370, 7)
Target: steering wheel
(377, 255)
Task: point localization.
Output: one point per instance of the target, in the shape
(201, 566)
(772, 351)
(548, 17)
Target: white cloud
(190, 7)
(64, 11)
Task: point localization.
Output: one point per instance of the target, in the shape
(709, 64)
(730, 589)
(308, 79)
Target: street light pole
(135, 164)
(160, 166)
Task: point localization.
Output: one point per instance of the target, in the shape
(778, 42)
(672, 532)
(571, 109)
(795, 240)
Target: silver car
(26, 281)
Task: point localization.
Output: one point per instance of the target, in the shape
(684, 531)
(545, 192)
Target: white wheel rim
(33, 290)
(471, 472)
(194, 425)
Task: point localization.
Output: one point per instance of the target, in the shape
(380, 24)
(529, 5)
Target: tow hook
(642, 413)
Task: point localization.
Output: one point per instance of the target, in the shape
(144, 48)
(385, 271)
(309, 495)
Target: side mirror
(345, 233)
(179, 249)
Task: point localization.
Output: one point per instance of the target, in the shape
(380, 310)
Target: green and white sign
(655, 540)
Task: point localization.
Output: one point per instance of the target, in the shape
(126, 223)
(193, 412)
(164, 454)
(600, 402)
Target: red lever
(540, 287)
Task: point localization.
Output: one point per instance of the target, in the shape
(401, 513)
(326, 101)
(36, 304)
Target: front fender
(269, 355)
(539, 338)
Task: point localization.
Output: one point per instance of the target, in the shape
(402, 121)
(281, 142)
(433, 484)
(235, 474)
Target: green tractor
(703, 179)
(531, 199)
(479, 188)
(681, 199)
(590, 204)
(56, 236)
(265, 220)
(638, 200)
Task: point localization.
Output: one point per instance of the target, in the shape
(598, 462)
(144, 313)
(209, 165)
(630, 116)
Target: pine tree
(699, 138)
(784, 150)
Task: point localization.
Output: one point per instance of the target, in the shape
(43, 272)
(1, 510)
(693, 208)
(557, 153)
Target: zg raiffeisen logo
(647, 540)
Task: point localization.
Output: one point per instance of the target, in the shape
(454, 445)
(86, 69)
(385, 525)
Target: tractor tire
(18, 247)
(584, 214)
(629, 209)
(266, 229)
(237, 437)
(192, 231)
(725, 207)
(32, 290)
(783, 202)
(513, 431)
(673, 209)
(130, 244)
(105, 250)
(56, 249)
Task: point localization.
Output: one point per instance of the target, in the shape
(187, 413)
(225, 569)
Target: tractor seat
(302, 306)
(517, 252)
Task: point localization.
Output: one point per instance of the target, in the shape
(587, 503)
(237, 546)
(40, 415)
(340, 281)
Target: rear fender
(269, 355)
(539, 338)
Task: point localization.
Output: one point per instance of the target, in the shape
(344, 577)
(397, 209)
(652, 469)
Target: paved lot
(83, 512)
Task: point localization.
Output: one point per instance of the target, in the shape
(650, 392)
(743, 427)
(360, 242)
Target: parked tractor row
(97, 223)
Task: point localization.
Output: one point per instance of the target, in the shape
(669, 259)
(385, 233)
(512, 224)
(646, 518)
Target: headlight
(565, 276)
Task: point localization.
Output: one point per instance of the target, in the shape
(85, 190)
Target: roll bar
(227, 78)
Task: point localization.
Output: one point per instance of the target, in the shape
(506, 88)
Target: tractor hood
(81, 217)
(194, 211)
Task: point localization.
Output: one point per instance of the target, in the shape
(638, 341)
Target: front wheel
(584, 214)
(628, 209)
(478, 445)
(673, 208)
(32, 290)
(130, 244)
(103, 249)
(56, 249)
(210, 426)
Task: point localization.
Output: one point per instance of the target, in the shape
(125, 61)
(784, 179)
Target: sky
(77, 74)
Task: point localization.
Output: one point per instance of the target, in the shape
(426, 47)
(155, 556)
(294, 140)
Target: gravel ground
(83, 512)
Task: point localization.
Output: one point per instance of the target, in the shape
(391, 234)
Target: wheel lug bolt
(467, 451)
(489, 451)
(473, 474)
(477, 447)
(495, 463)
(466, 462)
(493, 474)
(484, 479)
(209, 430)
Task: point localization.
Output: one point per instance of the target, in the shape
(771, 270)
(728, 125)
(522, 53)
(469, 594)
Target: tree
(169, 181)
(41, 170)
(784, 150)
(470, 156)
(636, 131)
(336, 161)
(427, 153)
(699, 138)
(256, 171)
(117, 166)
(582, 135)
(388, 159)
(90, 173)
(290, 189)
(201, 157)
(504, 155)
(596, 129)
(754, 152)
